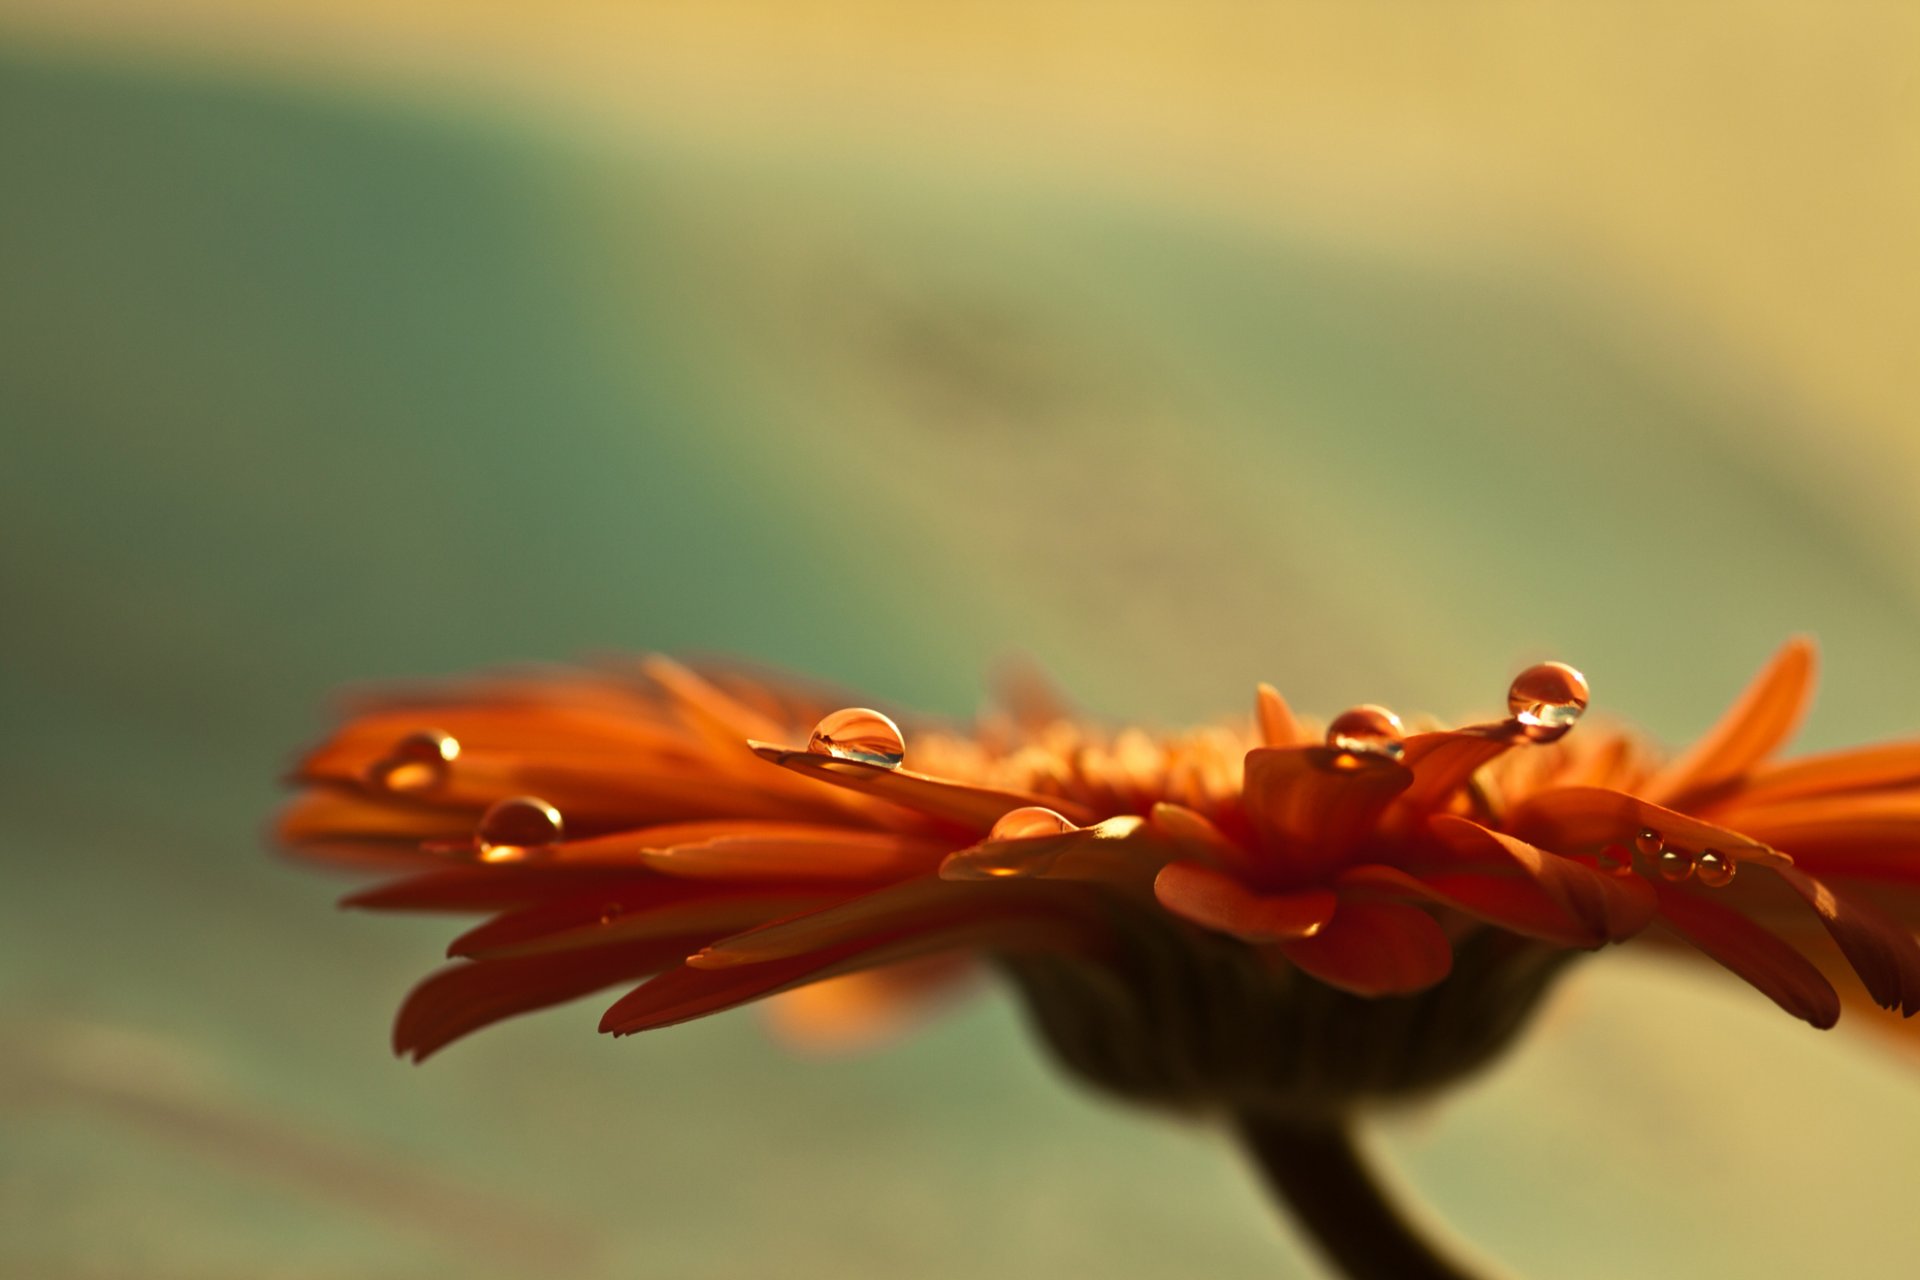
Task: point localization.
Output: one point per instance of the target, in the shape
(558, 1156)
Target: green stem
(1318, 1172)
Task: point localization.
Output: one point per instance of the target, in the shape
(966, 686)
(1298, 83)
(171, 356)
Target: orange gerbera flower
(1271, 921)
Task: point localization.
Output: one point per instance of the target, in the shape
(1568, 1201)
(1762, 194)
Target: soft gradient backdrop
(1368, 350)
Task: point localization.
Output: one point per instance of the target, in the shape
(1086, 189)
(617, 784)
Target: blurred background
(1369, 349)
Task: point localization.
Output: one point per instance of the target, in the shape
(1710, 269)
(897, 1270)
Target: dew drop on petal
(518, 827)
(611, 912)
(1715, 869)
(1649, 843)
(859, 733)
(1366, 731)
(1547, 699)
(418, 762)
(1675, 865)
(1034, 820)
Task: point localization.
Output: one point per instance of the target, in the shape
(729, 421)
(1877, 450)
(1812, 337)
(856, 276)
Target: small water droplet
(1546, 700)
(1366, 732)
(1715, 869)
(418, 762)
(1675, 864)
(611, 912)
(1649, 843)
(518, 827)
(859, 733)
(1034, 820)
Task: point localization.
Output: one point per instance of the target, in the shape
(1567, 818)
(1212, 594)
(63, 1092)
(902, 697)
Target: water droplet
(1366, 731)
(1547, 699)
(518, 827)
(1716, 869)
(418, 762)
(611, 912)
(859, 733)
(1034, 820)
(1649, 843)
(1675, 864)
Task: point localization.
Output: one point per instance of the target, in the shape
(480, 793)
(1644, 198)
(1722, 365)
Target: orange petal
(1278, 728)
(975, 808)
(1580, 819)
(1376, 949)
(1121, 851)
(1881, 950)
(1762, 719)
(1310, 811)
(1874, 835)
(1214, 900)
(1193, 834)
(923, 905)
(1607, 907)
(1442, 763)
(1509, 903)
(1893, 764)
(647, 909)
(728, 850)
(1781, 973)
(490, 886)
(475, 993)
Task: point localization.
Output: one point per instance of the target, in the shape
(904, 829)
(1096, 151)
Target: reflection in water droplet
(1649, 843)
(1546, 700)
(859, 733)
(1716, 869)
(1034, 820)
(418, 762)
(518, 827)
(1366, 731)
(1675, 864)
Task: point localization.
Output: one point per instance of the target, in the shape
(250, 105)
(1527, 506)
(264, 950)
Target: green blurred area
(300, 388)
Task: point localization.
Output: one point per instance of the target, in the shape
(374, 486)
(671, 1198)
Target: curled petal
(1444, 762)
(1311, 809)
(1214, 900)
(465, 997)
(1780, 973)
(1376, 949)
(1607, 907)
(1580, 819)
(1194, 835)
(1881, 949)
(957, 803)
(1757, 724)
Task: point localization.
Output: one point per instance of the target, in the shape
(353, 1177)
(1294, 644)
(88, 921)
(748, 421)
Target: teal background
(303, 386)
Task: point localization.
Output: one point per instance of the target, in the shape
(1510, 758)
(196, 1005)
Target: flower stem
(1317, 1170)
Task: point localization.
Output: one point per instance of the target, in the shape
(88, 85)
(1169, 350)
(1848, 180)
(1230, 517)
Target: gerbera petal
(962, 804)
(1875, 835)
(648, 909)
(1194, 834)
(1312, 805)
(922, 905)
(1583, 819)
(1762, 719)
(1881, 950)
(1376, 949)
(1278, 727)
(488, 887)
(765, 850)
(1444, 762)
(476, 993)
(1778, 971)
(1893, 764)
(1121, 851)
(1215, 900)
(1509, 902)
(1609, 907)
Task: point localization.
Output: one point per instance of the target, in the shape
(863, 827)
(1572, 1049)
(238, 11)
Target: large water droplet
(1366, 732)
(1675, 865)
(1034, 820)
(1715, 869)
(418, 762)
(518, 827)
(859, 733)
(1649, 843)
(1546, 700)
